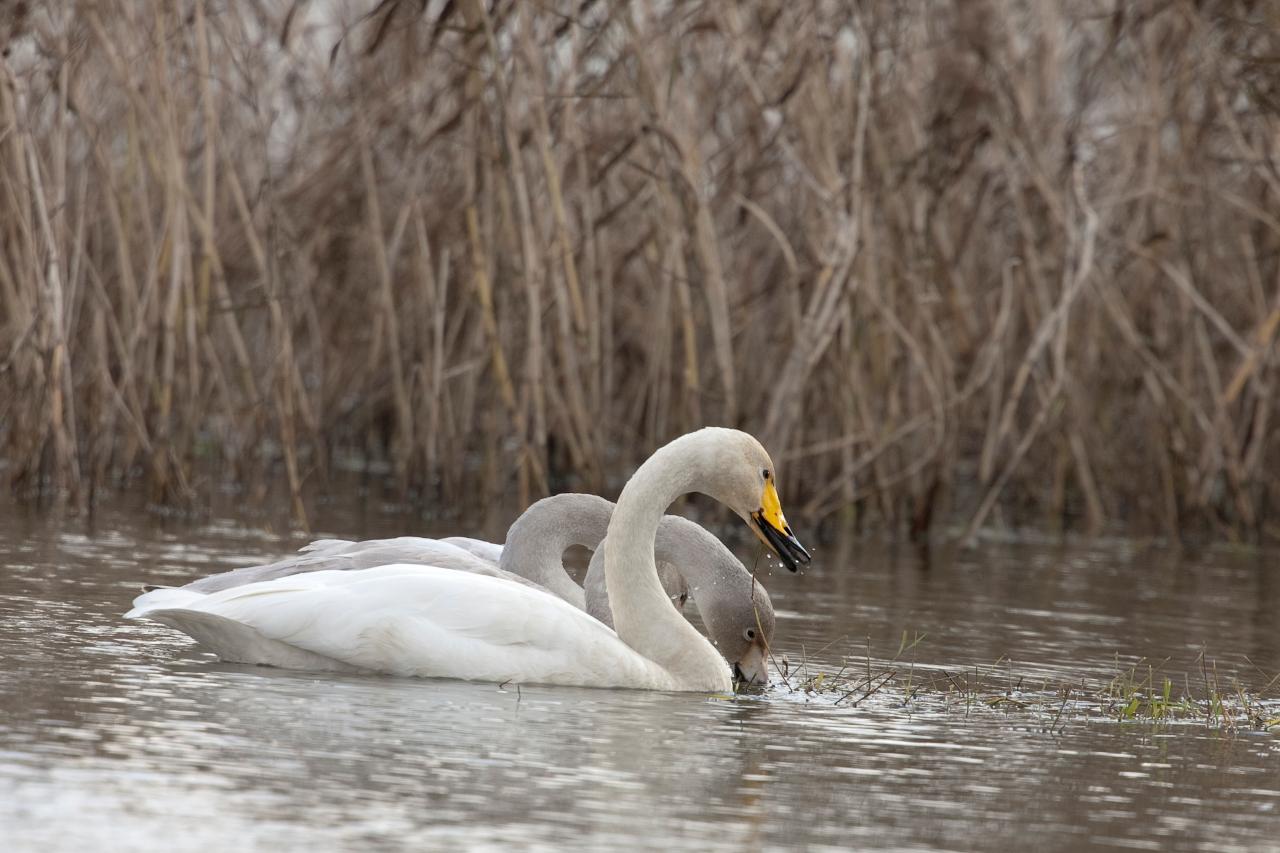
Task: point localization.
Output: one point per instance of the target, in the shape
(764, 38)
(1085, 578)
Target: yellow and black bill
(771, 526)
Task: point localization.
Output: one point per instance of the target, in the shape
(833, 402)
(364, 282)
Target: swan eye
(750, 633)
(766, 473)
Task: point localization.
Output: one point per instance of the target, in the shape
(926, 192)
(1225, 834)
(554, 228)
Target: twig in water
(1066, 694)
(871, 689)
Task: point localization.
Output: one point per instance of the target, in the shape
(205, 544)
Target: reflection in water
(123, 731)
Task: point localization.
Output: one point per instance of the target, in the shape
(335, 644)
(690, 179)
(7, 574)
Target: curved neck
(596, 591)
(670, 575)
(537, 540)
(689, 559)
(701, 558)
(642, 615)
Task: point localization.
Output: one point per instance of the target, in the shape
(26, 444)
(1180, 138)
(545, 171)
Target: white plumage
(490, 551)
(407, 620)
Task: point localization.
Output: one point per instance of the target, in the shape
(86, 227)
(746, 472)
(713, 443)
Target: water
(120, 735)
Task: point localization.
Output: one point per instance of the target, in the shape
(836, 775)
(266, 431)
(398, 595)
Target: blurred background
(957, 264)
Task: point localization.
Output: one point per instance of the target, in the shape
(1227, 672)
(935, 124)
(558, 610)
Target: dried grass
(980, 262)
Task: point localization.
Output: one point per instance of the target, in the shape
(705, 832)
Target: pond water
(122, 735)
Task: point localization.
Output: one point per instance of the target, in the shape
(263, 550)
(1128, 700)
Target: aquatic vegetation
(1144, 692)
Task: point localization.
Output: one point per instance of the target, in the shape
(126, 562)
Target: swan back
(488, 551)
(344, 555)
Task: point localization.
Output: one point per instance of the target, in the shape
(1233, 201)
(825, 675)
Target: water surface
(123, 734)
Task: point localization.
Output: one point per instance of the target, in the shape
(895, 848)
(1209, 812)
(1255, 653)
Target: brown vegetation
(960, 261)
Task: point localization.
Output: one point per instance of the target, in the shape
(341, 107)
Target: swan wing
(490, 551)
(344, 555)
(325, 545)
(421, 621)
(239, 643)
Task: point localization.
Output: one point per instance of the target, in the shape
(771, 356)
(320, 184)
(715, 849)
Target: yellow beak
(772, 528)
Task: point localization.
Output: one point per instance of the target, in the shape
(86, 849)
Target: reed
(957, 264)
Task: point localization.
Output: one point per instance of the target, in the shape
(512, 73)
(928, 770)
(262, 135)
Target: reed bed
(956, 263)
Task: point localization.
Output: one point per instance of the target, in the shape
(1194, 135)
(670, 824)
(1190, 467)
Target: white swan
(735, 608)
(430, 621)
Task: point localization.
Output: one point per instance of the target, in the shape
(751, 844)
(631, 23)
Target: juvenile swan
(429, 621)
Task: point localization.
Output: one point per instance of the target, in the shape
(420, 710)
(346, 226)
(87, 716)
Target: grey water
(121, 735)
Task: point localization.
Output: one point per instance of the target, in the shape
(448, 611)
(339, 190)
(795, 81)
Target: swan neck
(642, 615)
(537, 540)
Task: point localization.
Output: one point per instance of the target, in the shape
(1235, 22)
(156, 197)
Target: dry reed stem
(493, 238)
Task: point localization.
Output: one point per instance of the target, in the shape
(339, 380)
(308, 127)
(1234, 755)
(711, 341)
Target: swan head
(752, 669)
(751, 490)
(740, 624)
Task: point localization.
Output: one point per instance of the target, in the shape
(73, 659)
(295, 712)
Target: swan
(735, 608)
(436, 622)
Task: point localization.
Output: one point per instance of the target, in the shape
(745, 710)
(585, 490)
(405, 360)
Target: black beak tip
(789, 550)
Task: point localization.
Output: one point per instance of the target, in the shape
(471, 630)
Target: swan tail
(239, 643)
(161, 596)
